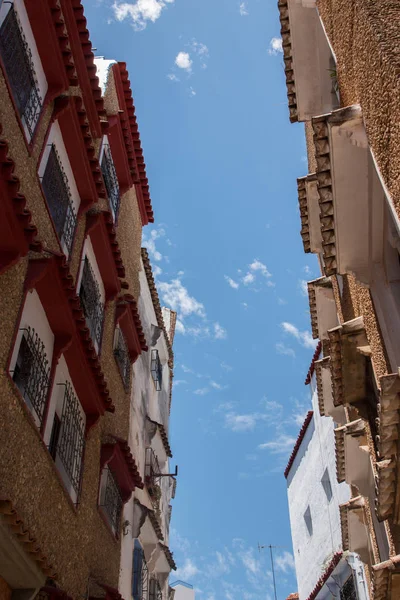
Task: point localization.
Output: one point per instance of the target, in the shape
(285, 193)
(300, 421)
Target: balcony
(156, 369)
(17, 61)
(122, 357)
(111, 181)
(58, 197)
(67, 441)
(155, 592)
(91, 303)
(31, 372)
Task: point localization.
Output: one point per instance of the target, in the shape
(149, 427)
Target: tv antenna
(272, 563)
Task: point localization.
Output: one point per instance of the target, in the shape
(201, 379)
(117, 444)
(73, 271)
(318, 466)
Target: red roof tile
(312, 366)
(325, 576)
(298, 441)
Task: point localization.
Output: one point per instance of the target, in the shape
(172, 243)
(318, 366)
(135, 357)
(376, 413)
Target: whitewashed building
(183, 591)
(324, 570)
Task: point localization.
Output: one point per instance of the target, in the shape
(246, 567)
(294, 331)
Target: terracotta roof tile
(325, 576)
(312, 366)
(169, 556)
(164, 437)
(155, 523)
(14, 521)
(130, 300)
(294, 596)
(63, 41)
(130, 462)
(298, 441)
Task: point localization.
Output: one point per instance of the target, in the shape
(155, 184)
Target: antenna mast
(272, 564)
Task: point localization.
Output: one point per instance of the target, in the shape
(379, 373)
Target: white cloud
(303, 337)
(241, 422)
(307, 270)
(226, 367)
(250, 563)
(303, 287)
(281, 445)
(201, 391)
(285, 562)
(187, 572)
(150, 243)
(192, 91)
(177, 297)
(172, 77)
(245, 305)
(177, 382)
(201, 51)
(157, 270)
(216, 386)
(248, 278)
(219, 332)
(231, 282)
(275, 46)
(140, 11)
(285, 350)
(257, 265)
(243, 9)
(183, 61)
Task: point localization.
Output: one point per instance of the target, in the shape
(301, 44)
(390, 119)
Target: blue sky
(222, 161)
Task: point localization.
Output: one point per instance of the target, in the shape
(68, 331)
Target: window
(67, 441)
(111, 500)
(155, 590)
(156, 369)
(348, 591)
(17, 60)
(31, 372)
(122, 357)
(110, 180)
(92, 306)
(308, 521)
(326, 484)
(140, 574)
(58, 197)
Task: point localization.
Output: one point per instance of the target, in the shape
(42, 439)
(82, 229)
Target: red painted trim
(75, 131)
(325, 576)
(127, 317)
(119, 457)
(17, 232)
(132, 141)
(83, 56)
(118, 151)
(43, 20)
(298, 441)
(55, 287)
(100, 228)
(311, 370)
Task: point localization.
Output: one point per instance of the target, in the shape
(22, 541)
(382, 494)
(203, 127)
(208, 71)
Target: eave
(127, 317)
(324, 391)
(163, 435)
(49, 32)
(299, 440)
(72, 118)
(387, 501)
(100, 228)
(119, 155)
(307, 191)
(325, 575)
(81, 47)
(18, 234)
(169, 556)
(132, 141)
(349, 349)
(118, 457)
(55, 286)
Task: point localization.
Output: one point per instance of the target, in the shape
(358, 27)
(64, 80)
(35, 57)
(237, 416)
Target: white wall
(313, 552)
(182, 592)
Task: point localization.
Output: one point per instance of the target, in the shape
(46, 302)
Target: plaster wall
(183, 592)
(316, 456)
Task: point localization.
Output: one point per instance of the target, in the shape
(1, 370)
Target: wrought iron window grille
(58, 198)
(140, 581)
(155, 590)
(69, 440)
(122, 357)
(112, 501)
(348, 591)
(156, 369)
(18, 63)
(32, 371)
(111, 180)
(90, 298)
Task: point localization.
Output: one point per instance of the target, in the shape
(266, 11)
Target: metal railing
(111, 180)
(112, 501)
(68, 442)
(156, 369)
(348, 591)
(17, 61)
(58, 198)
(31, 371)
(155, 589)
(122, 357)
(140, 580)
(90, 298)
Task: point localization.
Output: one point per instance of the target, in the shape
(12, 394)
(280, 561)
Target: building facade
(341, 65)
(183, 591)
(86, 359)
